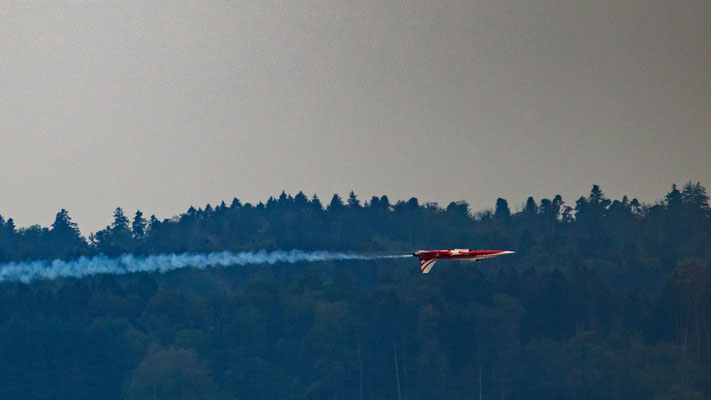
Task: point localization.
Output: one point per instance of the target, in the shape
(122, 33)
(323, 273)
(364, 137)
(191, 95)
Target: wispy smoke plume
(43, 269)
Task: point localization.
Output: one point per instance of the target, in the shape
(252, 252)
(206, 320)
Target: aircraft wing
(426, 264)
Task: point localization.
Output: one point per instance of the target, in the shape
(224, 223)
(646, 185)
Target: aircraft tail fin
(426, 264)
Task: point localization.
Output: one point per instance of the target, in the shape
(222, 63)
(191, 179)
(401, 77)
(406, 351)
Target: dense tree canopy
(605, 299)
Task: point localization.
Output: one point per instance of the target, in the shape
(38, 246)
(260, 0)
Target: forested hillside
(604, 299)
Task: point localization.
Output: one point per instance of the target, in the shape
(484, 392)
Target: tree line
(595, 223)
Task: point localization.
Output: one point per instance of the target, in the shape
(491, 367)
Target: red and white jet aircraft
(428, 258)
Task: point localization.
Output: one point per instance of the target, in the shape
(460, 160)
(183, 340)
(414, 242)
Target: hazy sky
(162, 105)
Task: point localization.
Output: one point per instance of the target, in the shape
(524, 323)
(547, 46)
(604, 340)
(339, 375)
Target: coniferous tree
(531, 208)
(353, 201)
(694, 195)
(300, 199)
(117, 238)
(66, 238)
(673, 198)
(138, 226)
(502, 211)
(336, 204)
(120, 224)
(316, 203)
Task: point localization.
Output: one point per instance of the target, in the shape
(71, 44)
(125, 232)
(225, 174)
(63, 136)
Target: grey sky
(159, 106)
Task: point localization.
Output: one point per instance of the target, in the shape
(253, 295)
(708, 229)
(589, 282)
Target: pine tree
(336, 203)
(353, 201)
(66, 238)
(138, 226)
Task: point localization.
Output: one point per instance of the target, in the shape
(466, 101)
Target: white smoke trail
(125, 264)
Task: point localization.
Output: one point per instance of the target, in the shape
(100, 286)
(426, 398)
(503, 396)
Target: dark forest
(604, 299)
